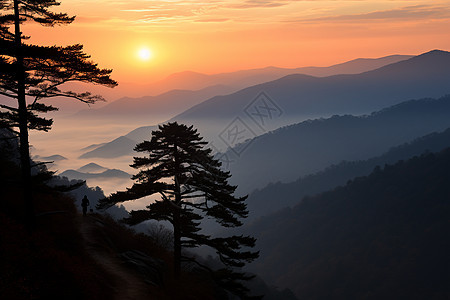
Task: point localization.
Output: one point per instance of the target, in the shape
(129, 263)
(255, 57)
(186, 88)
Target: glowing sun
(144, 54)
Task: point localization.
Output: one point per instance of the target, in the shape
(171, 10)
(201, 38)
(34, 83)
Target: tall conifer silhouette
(32, 72)
(192, 187)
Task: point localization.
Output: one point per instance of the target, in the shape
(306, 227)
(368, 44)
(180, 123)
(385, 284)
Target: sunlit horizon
(225, 36)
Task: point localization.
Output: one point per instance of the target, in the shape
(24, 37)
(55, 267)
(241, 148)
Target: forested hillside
(276, 196)
(309, 147)
(384, 236)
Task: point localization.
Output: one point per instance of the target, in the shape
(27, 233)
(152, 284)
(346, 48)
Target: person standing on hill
(85, 204)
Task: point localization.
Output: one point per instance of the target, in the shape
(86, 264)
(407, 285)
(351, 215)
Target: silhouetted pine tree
(192, 186)
(38, 72)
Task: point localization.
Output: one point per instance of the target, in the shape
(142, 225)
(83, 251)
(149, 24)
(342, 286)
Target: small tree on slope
(192, 187)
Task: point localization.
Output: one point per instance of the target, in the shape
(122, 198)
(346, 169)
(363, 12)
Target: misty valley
(274, 183)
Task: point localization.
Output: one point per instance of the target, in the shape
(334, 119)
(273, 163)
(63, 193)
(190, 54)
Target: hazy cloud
(212, 20)
(251, 11)
(259, 3)
(409, 12)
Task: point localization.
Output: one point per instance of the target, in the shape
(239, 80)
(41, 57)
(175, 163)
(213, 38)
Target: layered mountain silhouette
(277, 196)
(244, 78)
(159, 107)
(291, 99)
(91, 147)
(189, 83)
(93, 170)
(308, 147)
(55, 158)
(295, 97)
(384, 236)
(118, 147)
(187, 89)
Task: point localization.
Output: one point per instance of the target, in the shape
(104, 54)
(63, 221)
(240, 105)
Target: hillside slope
(385, 236)
(67, 256)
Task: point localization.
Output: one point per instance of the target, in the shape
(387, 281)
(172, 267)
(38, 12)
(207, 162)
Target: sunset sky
(144, 41)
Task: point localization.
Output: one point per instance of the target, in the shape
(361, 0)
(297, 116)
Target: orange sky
(218, 36)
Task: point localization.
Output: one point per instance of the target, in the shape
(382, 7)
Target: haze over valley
(276, 150)
(292, 137)
(108, 135)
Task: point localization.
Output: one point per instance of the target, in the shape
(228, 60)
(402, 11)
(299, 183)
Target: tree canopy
(43, 70)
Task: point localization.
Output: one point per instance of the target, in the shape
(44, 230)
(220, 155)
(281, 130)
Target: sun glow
(145, 54)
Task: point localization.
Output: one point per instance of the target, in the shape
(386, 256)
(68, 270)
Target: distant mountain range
(183, 90)
(277, 196)
(241, 79)
(384, 236)
(179, 87)
(291, 99)
(308, 147)
(55, 157)
(161, 107)
(93, 170)
(118, 147)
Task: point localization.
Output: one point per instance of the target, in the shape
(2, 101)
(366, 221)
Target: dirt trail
(128, 285)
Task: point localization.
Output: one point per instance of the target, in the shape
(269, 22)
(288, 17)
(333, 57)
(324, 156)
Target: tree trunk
(176, 219)
(23, 125)
(176, 244)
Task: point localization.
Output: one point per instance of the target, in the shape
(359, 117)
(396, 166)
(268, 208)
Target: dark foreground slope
(51, 262)
(385, 236)
(68, 256)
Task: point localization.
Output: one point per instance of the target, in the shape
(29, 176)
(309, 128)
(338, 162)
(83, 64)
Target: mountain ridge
(313, 97)
(189, 88)
(269, 73)
(340, 87)
(317, 144)
(109, 173)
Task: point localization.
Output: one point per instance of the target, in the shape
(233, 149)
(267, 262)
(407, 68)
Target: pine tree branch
(8, 95)
(9, 107)
(190, 259)
(170, 202)
(41, 163)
